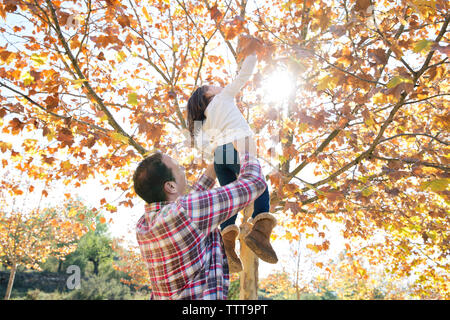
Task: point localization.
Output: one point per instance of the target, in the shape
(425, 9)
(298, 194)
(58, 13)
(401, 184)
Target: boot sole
(263, 255)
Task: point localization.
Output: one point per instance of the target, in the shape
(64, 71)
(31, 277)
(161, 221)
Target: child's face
(212, 91)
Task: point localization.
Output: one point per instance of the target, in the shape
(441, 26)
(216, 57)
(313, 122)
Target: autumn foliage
(28, 239)
(90, 87)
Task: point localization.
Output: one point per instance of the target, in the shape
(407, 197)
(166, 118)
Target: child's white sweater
(224, 122)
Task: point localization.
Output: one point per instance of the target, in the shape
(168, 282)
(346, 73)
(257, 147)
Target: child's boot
(258, 240)
(229, 235)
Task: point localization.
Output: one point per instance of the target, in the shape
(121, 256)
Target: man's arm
(208, 209)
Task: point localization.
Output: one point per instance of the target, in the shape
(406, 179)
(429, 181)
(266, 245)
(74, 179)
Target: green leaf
(422, 45)
(132, 99)
(395, 81)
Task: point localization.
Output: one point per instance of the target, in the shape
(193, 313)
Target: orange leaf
(215, 13)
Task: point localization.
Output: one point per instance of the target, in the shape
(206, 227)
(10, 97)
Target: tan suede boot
(229, 235)
(258, 240)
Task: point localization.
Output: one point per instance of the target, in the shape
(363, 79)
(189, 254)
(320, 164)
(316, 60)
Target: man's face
(178, 173)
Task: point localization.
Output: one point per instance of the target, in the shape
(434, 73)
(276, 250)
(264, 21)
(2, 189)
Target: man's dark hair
(149, 178)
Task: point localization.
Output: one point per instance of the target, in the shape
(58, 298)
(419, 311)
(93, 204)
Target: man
(178, 235)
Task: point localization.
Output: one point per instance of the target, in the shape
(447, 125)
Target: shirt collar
(156, 206)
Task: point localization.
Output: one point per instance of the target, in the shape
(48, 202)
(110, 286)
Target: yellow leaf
(77, 83)
(38, 59)
(121, 56)
(132, 99)
(302, 127)
(27, 78)
(104, 117)
(424, 7)
(146, 15)
(379, 98)
(326, 82)
(367, 192)
(118, 137)
(436, 185)
(72, 212)
(66, 165)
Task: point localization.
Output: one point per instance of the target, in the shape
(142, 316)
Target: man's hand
(246, 144)
(210, 172)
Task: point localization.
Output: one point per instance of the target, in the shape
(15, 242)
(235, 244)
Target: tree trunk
(12, 275)
(60, 264)
(96, 262)
(249, 274)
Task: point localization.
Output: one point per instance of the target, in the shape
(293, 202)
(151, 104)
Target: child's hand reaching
(248, 45)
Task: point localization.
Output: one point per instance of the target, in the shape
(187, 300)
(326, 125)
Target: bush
(37, 294)
(98, 287)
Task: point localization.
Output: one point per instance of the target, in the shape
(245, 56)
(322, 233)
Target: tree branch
(93, 126)
(415, 161)
(88, 87)
(416, 134)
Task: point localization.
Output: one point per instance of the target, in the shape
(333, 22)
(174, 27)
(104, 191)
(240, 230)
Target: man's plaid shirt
(181, 243)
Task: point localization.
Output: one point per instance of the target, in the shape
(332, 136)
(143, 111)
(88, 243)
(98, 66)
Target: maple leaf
(52, 102)
(215, 13)
(362, 6)
(16, 125)
(124, 21)
(248, 45)
(101, 56)
(65, 136)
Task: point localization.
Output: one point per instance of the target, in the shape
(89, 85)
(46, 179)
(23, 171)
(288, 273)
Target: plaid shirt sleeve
(203, 184)
(209, 208)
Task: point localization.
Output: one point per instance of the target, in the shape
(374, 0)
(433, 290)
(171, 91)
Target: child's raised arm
(244, 75)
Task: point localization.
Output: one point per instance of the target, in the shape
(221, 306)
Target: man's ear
(170, 187)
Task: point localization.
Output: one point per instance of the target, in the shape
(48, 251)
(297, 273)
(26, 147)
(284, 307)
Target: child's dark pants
(227, 167)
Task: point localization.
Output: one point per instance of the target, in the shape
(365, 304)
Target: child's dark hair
(196, 107)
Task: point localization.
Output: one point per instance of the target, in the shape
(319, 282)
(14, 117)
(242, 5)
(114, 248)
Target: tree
(28, 239)
(94, 247)
(107, 81)
(129, 261)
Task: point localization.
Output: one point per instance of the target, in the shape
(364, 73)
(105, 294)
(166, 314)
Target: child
(221, 123)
